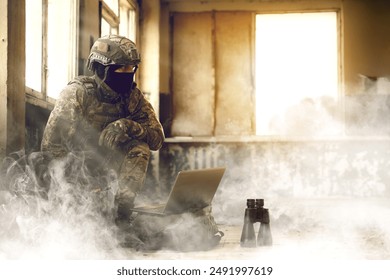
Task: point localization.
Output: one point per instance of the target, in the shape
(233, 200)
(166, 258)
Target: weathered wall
(36, 119)
(3, 77)
(12, 77)
(284, 169)
(89, 31)
(193, 75)
(212, 77)
(234, 73)
(366, 34)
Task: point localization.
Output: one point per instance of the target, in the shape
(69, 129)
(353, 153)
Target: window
(128, 19)
(107, 28)
(51, 46)
(34, 44)
(52, 33)
(296, 73)
(110, 17)
(122, 20)
(61, 45)
(112, 5)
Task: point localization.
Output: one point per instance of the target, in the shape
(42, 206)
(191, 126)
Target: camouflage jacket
(79, 116)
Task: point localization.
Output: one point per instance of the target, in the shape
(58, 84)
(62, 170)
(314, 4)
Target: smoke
(57, 209)
(332, 228)
(310, 118)
(328, 196)
(340, 217)
(72, 218)
(365, 112)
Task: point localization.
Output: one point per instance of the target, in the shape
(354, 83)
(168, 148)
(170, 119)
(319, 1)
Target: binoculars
(255, 212)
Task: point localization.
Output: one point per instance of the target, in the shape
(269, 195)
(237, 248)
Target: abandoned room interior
(292, 97)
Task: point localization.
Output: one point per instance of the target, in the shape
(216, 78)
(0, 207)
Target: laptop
(193, 189)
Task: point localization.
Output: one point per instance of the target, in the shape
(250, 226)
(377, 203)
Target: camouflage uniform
(85, 114)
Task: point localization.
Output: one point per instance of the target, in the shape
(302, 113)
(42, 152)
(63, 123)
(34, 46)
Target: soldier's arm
(62, 123)
(147, 127)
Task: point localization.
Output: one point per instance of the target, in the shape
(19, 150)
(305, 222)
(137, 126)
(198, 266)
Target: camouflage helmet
(113, 50)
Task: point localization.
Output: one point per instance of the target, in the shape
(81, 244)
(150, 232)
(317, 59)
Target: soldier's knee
(139, 149)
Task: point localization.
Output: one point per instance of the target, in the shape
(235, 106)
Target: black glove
(115, 134)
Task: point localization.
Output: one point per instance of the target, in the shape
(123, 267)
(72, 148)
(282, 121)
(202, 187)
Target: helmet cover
(113, 50)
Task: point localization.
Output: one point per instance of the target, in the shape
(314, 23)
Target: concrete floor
(228, 249)
(302, 229)
(325, 229)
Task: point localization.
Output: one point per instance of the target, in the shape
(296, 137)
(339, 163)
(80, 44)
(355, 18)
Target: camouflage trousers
(130, 163)
(97, 169)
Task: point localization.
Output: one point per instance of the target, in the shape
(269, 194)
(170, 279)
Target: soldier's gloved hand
(114, 134)
(134, 129)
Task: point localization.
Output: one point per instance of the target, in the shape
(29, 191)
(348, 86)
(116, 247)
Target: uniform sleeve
(150, 129)
(63, 122)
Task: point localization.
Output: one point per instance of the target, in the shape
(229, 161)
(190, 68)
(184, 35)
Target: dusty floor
(315, 229)
(330, 229)
(229, 248)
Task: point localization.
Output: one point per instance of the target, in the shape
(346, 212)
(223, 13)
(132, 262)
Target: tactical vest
(98, 113)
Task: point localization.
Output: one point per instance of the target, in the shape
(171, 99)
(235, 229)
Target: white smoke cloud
(327, 198)
(74, 220)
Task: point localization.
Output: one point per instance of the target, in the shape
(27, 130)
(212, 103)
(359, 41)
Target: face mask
(120, 82)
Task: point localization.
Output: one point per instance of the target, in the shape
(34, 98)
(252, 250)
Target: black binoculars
(255, 212)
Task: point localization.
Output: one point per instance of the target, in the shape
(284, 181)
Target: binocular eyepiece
(255, 212)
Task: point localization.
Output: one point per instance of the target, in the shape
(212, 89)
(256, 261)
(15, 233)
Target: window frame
(41, 98)
(114, 20)
(110, 16)
(338, 97)
(130, 5)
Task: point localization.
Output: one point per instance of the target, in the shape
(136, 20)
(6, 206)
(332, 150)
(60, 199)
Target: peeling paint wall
(213, 81)
(193, 75)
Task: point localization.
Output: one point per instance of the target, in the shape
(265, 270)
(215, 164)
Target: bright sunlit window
(34, 44)
(125, 24)
(62, 45)
(296, 71)
(128, 20)
(106, 28)
(51, 45)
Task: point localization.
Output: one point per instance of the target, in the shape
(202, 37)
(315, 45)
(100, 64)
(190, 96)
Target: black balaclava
(118, 81)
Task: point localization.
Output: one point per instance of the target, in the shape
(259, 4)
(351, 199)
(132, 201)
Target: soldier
(108, 118)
